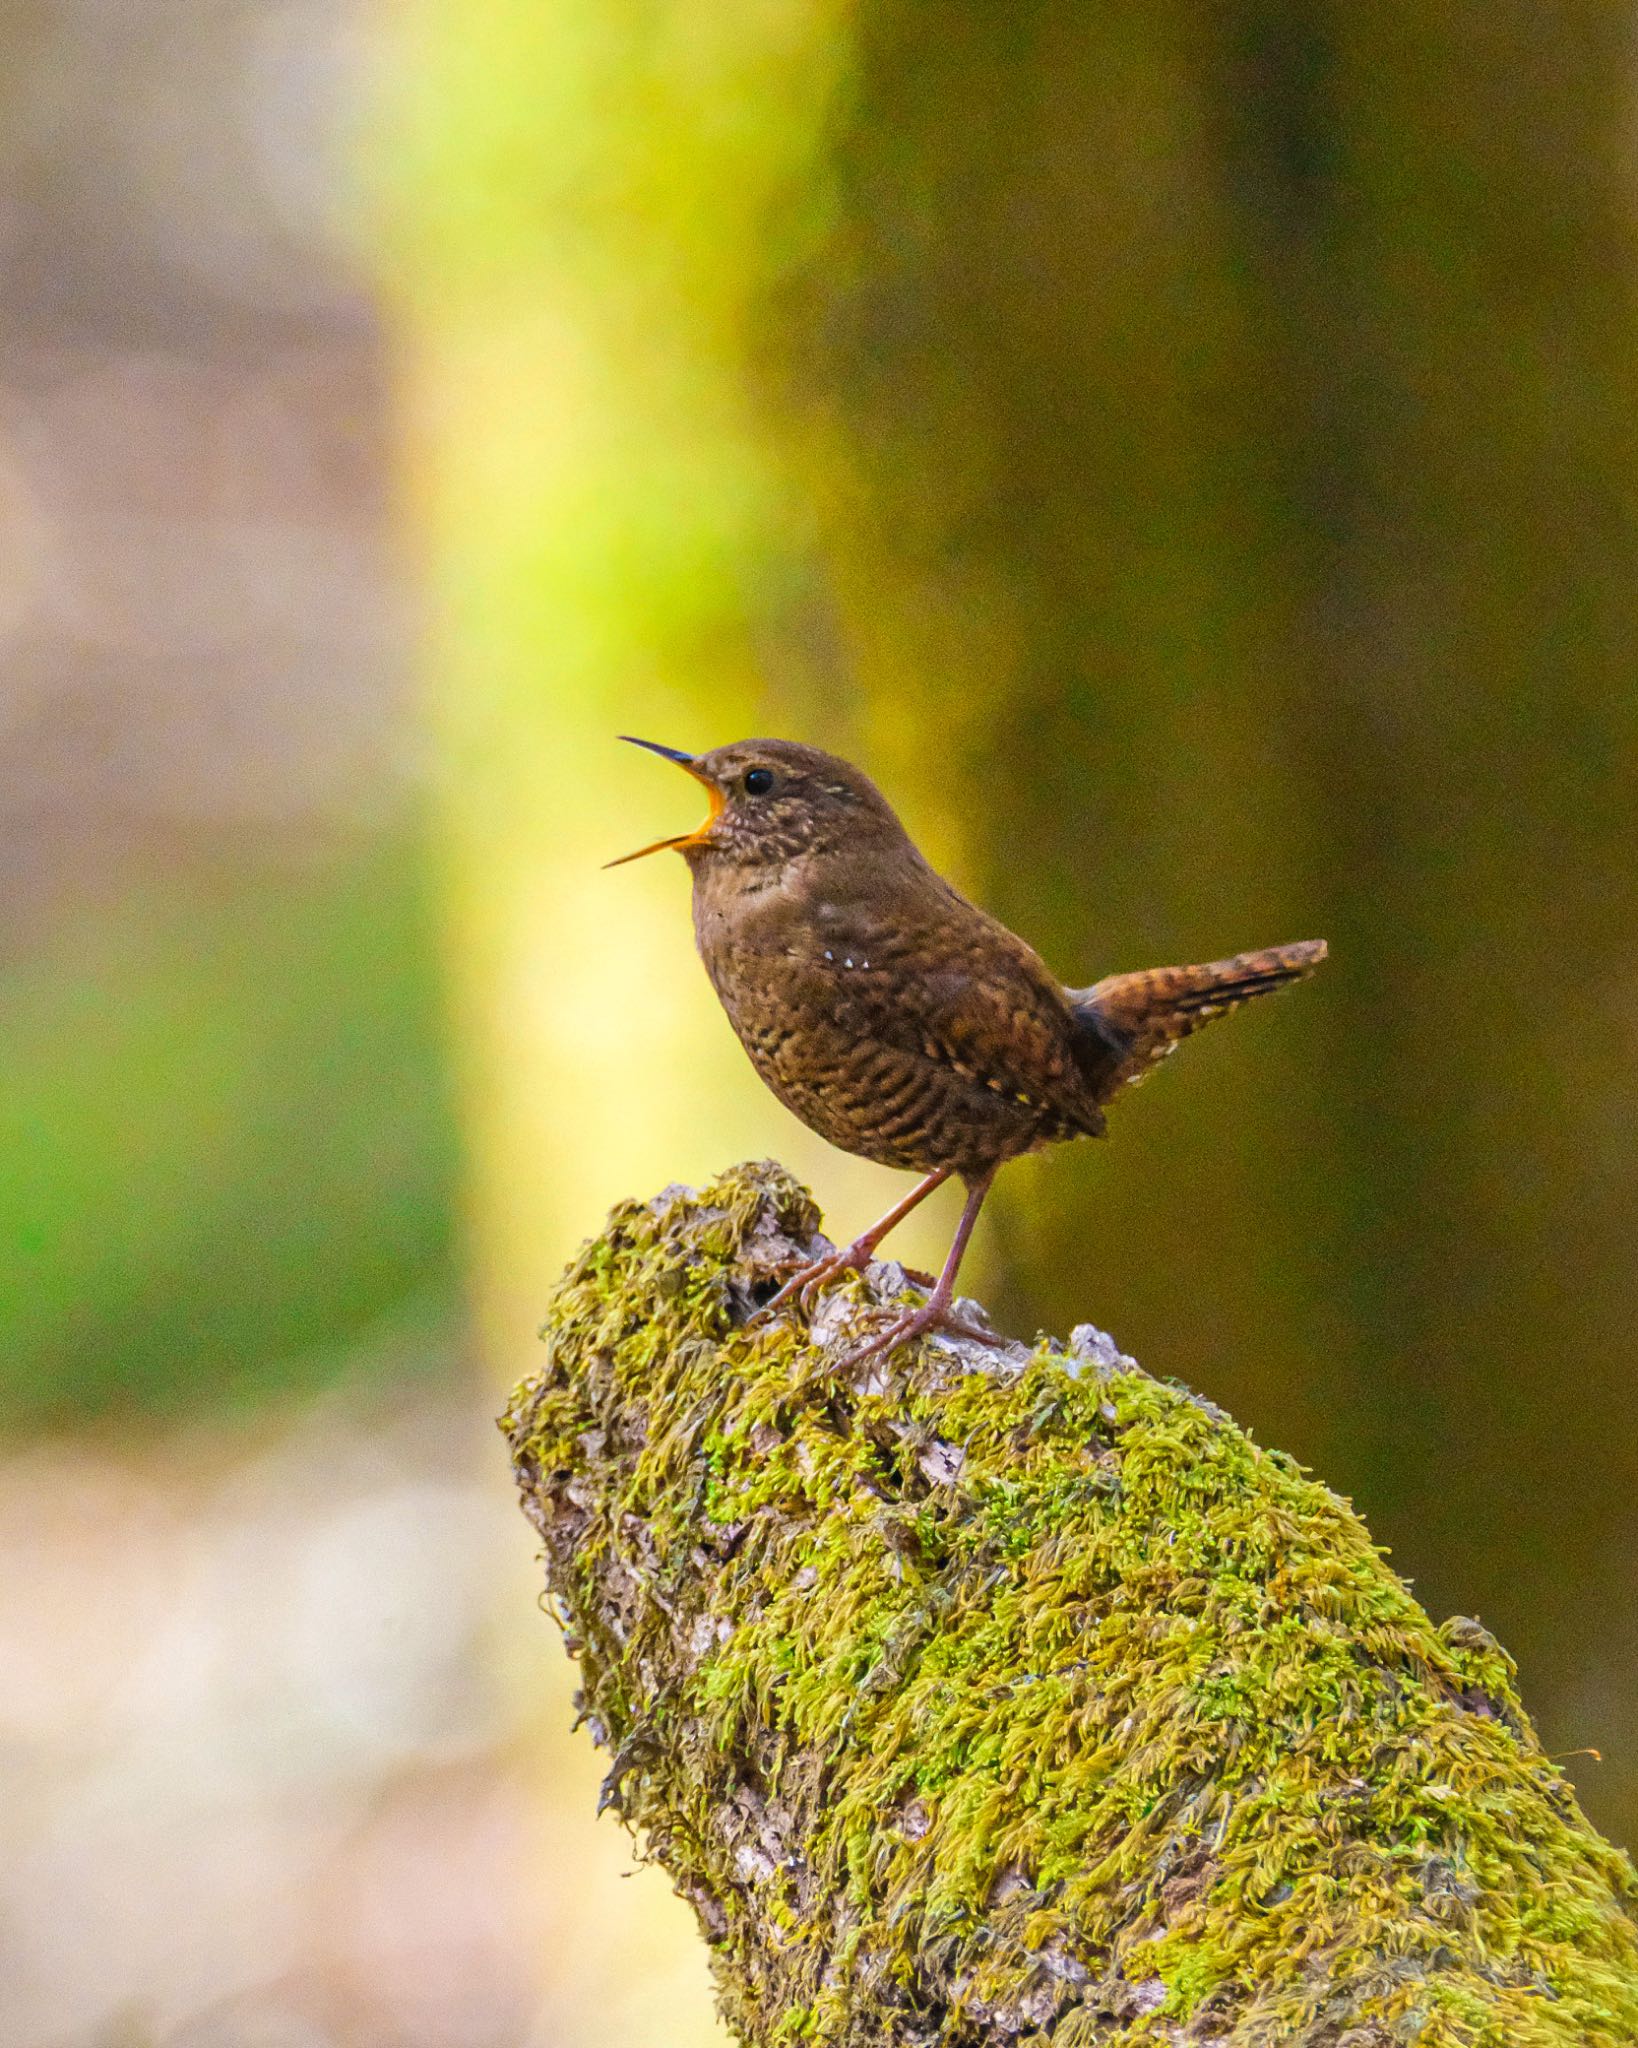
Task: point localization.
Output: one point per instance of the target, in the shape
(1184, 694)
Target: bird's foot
(932, 1317)
(805, 1287)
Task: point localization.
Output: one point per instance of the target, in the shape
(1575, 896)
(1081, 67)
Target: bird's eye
(758, 781)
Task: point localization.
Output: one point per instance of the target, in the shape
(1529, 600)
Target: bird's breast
(858, 1016)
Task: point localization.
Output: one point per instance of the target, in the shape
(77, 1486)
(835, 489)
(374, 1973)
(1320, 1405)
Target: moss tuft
(1027, 1699)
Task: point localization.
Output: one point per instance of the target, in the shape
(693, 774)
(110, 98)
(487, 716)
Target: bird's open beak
(683, 838)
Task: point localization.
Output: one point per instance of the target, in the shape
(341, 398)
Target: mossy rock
(1010, 1697)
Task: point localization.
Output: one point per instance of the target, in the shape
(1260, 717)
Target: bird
(896, 1018)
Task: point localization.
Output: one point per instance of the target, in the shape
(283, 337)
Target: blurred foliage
(1188, 455)
(228, 1138)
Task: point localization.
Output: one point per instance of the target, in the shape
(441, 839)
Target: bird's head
(773, 801)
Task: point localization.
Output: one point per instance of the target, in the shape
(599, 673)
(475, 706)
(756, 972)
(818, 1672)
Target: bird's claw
(804, 1285)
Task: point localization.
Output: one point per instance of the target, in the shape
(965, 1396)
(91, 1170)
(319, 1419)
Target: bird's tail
(1132, 1021)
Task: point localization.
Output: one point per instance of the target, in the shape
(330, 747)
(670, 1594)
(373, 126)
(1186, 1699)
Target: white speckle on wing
(829, 955)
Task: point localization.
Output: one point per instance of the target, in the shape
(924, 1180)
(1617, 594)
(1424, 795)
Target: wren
(897, 1019)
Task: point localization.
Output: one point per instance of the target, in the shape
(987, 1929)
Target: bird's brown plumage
(891, 1015)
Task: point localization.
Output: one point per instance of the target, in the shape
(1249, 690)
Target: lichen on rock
(1020, 1697)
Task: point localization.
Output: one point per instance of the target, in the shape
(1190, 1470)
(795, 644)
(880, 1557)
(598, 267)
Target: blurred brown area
(205, 634)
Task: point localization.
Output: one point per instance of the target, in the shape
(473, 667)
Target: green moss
(1034, 1697)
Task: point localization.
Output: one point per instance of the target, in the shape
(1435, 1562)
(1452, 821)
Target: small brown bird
(894, 1017)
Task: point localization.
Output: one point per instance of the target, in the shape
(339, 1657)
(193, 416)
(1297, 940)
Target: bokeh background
(1189, 455)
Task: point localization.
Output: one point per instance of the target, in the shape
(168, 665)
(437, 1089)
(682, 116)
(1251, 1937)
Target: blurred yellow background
(1186, 456)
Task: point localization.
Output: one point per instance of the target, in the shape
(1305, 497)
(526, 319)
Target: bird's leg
(936, 1312)
(854, 1257)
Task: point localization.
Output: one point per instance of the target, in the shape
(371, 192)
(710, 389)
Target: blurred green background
(1187, 455)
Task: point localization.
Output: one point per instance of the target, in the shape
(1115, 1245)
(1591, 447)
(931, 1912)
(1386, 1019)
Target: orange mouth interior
(681, 839)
